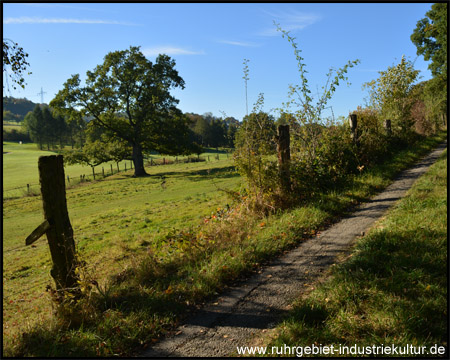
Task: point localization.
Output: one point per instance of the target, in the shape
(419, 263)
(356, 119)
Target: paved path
(242, 312)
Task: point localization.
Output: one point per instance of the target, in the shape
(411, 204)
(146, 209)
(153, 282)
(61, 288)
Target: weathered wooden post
(103, 171)
(284, 157)
(353, 127)
(387, 127)
(111, 169)
(164, 161)
(57, 225)
(117, 167)
(81, 178)
(93, 172)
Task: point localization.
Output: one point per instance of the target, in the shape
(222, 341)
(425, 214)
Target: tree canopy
(129, 96)
(430, 38)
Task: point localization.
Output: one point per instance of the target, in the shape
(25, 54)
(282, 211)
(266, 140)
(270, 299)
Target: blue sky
(210, 41)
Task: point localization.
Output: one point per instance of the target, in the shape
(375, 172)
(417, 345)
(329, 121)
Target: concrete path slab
(244, 311)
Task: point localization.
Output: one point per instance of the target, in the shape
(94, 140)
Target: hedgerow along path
(244, 311)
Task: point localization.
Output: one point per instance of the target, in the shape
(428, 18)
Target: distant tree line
(211, 131)
(50, 130)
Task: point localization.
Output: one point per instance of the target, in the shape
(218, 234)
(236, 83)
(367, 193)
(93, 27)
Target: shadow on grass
(121, 324)
(198, 175)
(399, 274)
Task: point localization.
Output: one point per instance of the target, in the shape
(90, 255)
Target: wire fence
(33, 189)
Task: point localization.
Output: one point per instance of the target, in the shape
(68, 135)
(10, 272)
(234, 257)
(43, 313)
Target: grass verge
(150, 293)
(392, 289)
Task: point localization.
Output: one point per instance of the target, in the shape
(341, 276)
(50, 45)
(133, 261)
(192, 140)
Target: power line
(42, 95)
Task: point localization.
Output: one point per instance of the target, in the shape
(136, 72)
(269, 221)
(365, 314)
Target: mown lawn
(392, 289)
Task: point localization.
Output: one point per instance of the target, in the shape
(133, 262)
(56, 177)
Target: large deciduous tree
(430, 38)
(129, 96)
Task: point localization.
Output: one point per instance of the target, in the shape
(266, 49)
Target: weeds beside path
(247, 310)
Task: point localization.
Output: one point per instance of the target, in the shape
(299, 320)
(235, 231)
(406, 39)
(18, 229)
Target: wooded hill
(15, 109)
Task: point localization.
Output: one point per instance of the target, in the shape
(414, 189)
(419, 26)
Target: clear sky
(210, 41)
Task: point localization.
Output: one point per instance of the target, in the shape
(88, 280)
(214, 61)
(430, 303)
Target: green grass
(20, 167)
(8, 126)
(138, 212)
(393, 287)
(157, 253)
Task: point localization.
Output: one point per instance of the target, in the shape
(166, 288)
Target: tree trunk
(138, 161)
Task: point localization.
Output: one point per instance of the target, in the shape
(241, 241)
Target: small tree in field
(92, 154)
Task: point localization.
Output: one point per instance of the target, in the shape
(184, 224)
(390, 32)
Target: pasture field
(8, 126)
(20, 167)
(156, 249)
(113, 221)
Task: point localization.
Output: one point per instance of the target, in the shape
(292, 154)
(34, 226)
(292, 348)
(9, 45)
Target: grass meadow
(113, 220)
(20, 167)
(157, 251)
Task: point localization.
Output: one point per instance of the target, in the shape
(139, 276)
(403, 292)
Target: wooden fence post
(81, 178)
(103, 171)
(111, 169)
(387, 127)
(284, 157)
(93, 172)
(57, 225)
(117, 167)
(353, 127)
